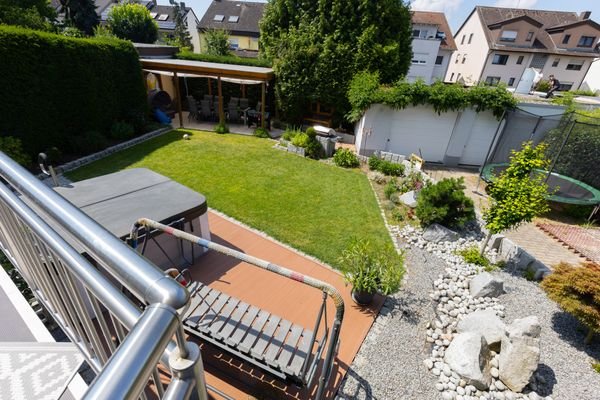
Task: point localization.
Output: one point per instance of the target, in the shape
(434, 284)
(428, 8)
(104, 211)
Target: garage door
(420, 130)
(482, 134)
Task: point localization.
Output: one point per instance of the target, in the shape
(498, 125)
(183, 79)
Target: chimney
(585, 15)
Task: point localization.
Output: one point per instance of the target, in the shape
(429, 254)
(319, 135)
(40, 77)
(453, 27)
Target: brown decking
(289, 299)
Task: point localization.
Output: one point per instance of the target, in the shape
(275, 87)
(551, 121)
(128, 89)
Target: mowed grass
(312, 206)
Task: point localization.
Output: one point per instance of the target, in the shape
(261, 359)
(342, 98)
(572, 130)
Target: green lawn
(312, 206)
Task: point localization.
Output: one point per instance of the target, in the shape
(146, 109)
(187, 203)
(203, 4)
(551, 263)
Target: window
(457, 58)
(416, 33)
(233, 18)
(458, 76)
(462, 41)
(575, 65)
(470, 38)
(520, 60)
(452, 77)
(511, 81)
(508, 36)
(566, 39)
(234, 43)
(565, 86)
(500, 59)
(218, 18)
(439, 60)
(420, 33)
(163, 17)
(492, 80)
(529, 37)
(464, 59)
(586, 41)
(419, 61)
(555, 62)
(153, 15)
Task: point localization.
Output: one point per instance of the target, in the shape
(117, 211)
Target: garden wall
(56, 89)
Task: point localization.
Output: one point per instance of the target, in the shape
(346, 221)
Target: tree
(181, 36)
(317, 47)
(519, 194)
(133, 22)
(81, 14)
(577, 291)
(33, 14)
(217, 42)
(445, 203)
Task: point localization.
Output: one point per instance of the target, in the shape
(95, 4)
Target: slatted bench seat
(275, 344)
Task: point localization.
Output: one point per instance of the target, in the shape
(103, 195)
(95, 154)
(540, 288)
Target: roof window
(233, 18)
(163, 17)
(219, 18)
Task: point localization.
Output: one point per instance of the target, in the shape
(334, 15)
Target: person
(554, 85)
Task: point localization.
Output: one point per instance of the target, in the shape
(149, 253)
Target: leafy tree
(217, 42)
(81, 14)
(317, 47)
(33, 14)
(133, 22)
(445, 203)
(519, 193)
(181, 36)
(576, 289)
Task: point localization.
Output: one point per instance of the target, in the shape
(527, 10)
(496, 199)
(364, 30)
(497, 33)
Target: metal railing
(119, 309)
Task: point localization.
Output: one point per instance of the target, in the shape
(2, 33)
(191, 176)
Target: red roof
(438, 19)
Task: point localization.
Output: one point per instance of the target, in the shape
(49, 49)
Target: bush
(301, 139)
(235, 60)
(374, 162)
(133, 22)
(345, 158)
(67, 86)
(217, 42)
(90, 142)
(378, 177)
(390, 168)
(290, 134)
(576, 289)
(369, 269)
(445, 203)
(221, 128)
(596, 366)
(309, 143)
(122, 131)
(13, 148)
(543, 86)
(471, 255)
(397, 215)
(390, 188)
(261, 133)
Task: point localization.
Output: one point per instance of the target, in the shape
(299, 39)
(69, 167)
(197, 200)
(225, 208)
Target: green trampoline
(568, 190)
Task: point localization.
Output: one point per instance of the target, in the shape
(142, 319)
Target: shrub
(445, 203)
(370, 269)
(133, 22)
(217, 42)
(543, 86)
(596, 366)
(13, 148)
(90, 142)
(374, 162)
(69, 85)
(221, 128)
(122, 131)
(395, 198)
(309, 143)
(261, 133)
(390, 188)
(301, 139)
(576, 289)
(378, 177)
(471, 255)
(397, 215)
(229, 59)
(345, 158)
(289, 134)
(390, 168)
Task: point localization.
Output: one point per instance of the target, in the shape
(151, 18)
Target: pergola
(228, 72)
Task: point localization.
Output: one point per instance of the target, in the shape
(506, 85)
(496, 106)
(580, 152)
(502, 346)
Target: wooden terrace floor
(288, 299)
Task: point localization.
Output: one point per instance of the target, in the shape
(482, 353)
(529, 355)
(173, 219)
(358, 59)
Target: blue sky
(457, 10)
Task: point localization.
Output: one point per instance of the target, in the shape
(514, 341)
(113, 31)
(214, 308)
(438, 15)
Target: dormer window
(586, 41)
(529, 37)
(419, 33)
(508, 36)
(566, 39)
(218, 18)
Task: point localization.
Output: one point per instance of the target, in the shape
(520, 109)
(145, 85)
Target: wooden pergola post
(220, 92)
(209, 87)
(262, 105)
(243, 91)
(178, 94)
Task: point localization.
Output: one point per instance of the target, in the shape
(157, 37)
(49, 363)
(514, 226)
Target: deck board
(243, 327)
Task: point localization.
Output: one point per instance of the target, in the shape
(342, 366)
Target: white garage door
(482, 134)
(421, 130)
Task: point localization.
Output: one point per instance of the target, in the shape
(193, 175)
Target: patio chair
(193, 108)
(235, 100)
(205, 112)
(258, 106)
(208, 97)
(244, 104)
(234, 114)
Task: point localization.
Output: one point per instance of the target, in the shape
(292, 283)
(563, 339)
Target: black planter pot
(362, 298)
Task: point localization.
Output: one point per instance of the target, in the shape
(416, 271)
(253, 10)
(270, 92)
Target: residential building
(240, 19)
(592, 78)
(165, 17)
(432, 46)
(496, 45)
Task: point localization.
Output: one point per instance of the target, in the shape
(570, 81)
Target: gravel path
(390, 365)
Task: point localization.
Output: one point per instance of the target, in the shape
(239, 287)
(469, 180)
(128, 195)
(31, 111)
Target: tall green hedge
(55, 89)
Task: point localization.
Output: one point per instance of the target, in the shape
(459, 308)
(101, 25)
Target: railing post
(186, 371)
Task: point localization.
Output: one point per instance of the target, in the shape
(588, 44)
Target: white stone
(468, 355)
(486, 323)
(428, 363)
(520, 353)
(409, 198)
(495, 373)
(485, 284)
(437, 233)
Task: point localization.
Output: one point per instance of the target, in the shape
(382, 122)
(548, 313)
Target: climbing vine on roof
(365, 90)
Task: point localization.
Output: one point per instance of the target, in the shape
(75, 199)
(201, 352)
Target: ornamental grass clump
(445, 203)
(576, 289)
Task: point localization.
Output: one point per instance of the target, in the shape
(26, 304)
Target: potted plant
(371, 270)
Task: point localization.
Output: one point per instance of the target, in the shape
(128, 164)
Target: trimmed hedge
(235, 60)
(57, 89)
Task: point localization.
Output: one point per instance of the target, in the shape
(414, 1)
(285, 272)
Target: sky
(458, 10)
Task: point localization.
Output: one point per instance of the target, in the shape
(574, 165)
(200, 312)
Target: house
(164, 15)
(432, 46)
(240, 19)
(496, 45)
(592, 78)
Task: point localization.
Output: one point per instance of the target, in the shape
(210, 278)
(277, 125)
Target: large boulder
(469, 356)
(437, 233)
(485, 323)
(486, 285)
(520, 353)
(409, 198)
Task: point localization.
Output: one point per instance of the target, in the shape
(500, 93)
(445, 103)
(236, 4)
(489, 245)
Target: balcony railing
(118, 308)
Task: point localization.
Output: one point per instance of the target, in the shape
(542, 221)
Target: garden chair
(234, 114)
(208, 97)
(193, 108)
(205, 112)
(235, 100)
(244, 104)
(258, 106)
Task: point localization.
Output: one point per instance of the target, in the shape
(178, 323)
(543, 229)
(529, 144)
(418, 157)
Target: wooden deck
(286, 298)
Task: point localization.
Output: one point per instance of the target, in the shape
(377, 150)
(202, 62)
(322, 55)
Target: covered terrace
(240, 74)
